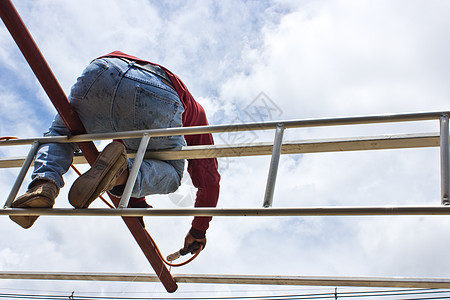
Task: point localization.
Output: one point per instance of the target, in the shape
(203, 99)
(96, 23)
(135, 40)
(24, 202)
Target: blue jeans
(113, 95)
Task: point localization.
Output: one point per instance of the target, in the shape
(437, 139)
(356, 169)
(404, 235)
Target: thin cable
(153, 241)
(172, 264)
(7, 138)
(430, 298)
(390, 293)
(364, 294)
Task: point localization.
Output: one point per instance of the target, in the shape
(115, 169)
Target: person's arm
(204, 172)
(206, 178)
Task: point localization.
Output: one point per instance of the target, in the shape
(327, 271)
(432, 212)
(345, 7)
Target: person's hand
(190, 240)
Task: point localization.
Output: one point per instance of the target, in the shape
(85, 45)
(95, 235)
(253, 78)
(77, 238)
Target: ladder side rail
(435, 210)
(23, 172)
(361, 120)
(301, 123)
(362, 143)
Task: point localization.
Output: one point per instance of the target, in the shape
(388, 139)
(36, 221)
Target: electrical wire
(310, 296)
(331, 295)
(7, 138)
(153, 241)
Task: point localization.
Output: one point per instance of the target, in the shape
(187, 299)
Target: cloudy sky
(301, 59)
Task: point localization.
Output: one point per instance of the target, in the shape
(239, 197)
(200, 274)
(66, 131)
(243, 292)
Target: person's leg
(92, 97)
(52, 161)
(144, 101)
(140, 100)
(122, 98)
(156, 177)
(102, 176)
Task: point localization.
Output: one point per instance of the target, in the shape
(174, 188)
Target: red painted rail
(44, 74)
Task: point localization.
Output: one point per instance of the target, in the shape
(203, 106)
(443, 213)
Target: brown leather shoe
(103, 174)
(41, 195)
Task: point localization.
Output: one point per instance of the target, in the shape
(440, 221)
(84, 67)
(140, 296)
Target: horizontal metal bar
(397, 282)
(263, 212)
(357, 120)
(398, 141)
(317, 281)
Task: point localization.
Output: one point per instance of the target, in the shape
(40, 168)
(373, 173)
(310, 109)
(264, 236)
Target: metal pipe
(445, 159)
(23, 172)
(273, 169)
(357, 120)
(44, 74)
(394, 282)
(134, 172)
(317, 281)
(236, 212)
(390, 141)
(37, 62)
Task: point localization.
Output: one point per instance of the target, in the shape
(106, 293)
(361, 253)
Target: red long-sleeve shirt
(204, 172)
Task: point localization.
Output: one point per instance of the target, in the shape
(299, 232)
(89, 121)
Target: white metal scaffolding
(275, 149)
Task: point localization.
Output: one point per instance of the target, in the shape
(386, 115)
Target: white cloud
(351, 57)
(312, 59)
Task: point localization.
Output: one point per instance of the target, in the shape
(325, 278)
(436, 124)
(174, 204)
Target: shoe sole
(91, 184)
(36, 202)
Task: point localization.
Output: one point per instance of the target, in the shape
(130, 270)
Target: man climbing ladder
(119, 92)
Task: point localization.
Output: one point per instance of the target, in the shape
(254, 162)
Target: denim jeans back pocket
(152, 110)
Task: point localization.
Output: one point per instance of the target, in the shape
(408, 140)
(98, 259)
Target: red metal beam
(41, 69)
